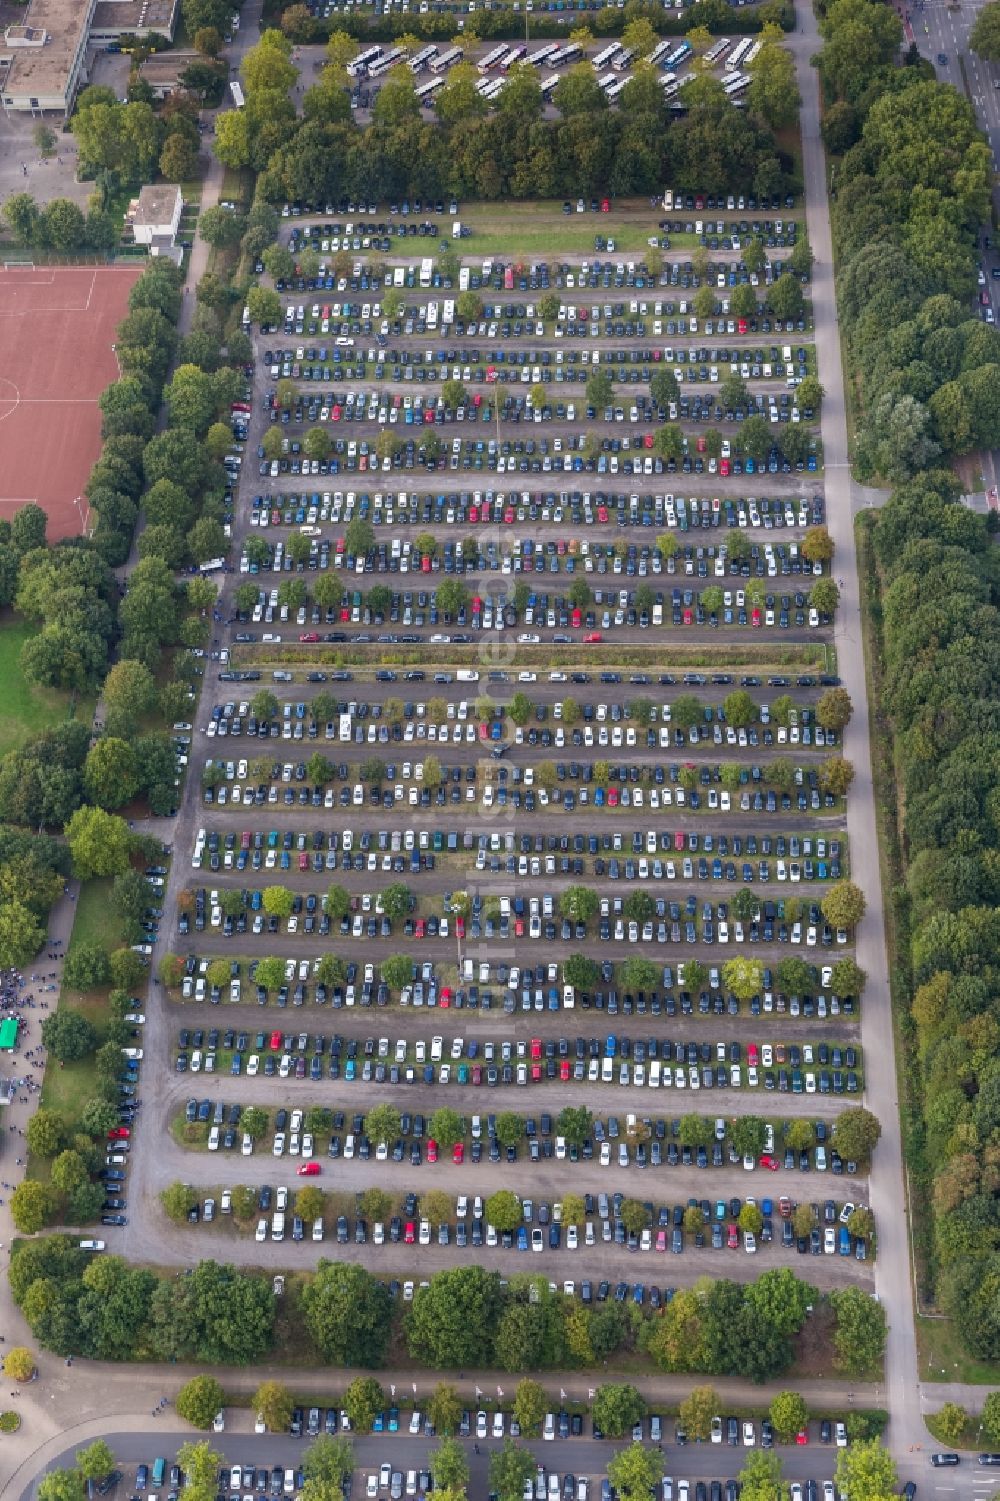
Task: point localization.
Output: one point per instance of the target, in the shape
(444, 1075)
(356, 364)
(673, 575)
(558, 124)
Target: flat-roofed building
(156, 213)
(139, 18)
(43, 59)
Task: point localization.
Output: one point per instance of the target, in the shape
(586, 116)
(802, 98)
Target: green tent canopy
(8, 1034)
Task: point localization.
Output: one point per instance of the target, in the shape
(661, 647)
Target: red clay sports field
(57, 328)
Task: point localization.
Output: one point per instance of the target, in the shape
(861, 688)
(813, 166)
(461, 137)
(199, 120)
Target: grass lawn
(67, 1088)
(27, 710)
(942, 1357)
(95, 920)
(543, 229)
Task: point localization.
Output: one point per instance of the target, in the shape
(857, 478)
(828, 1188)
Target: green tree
(635, 1472)
(178, 1199)
(95, 1461)
(382, 1123)
(789, 1414)
(62, 1485)
(991, 1410)
(855, 1133)
(616, 1408)
(510, 1469)
(451, 1321)
(254, 1121)
(328, 1462)
(744, 977)
(575, 1122)
(531, 1403)
(760, 1477)
(843, 905)
(99, 842)
(68, 1035)
(45, 1132)
(984, 35)
(363, 1398)
(30, 1206)
(503, 1210)
(697, 1410)
(347, 1314)
(859, 1338)
(449, 1466)
(834, 709)
(273, 1401)
(199, 1400)
(445, 1409)
(867, 1468)
(600, 390)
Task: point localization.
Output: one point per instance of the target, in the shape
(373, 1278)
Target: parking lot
(606, 865)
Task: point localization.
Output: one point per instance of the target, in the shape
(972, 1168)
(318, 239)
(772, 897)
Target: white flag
(414, 1388)
(562, 1394)
(392, 1390)
(590, 1393)
(499, 1391)
(479, 1392)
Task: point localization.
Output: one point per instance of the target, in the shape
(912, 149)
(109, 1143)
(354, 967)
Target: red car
(732, 1237)
(444, 1000)
(565, 1070)
(460, 926)
(277, 1042)
(309, 636)
(309, 1169)
(753, 1057)
(119, 1133)
(432, 1150)
(769, 1162)
(536, 1047)
(592, 638)
(802, 1437)
(410, 1233)
(458, 1153)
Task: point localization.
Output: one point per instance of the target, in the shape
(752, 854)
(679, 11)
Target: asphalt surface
(893, 1283)
(579, 1456)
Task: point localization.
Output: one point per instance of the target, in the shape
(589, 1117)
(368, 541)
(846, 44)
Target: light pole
(79, 502)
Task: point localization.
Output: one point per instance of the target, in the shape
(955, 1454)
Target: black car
(113, 1219)
(940, 1461)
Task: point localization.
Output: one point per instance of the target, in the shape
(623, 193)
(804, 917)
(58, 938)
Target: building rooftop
(44, 70)
(155, 204)
(165, 67)
(135, 15)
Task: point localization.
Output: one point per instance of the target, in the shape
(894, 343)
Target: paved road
(893, 1273)
(581, 1456)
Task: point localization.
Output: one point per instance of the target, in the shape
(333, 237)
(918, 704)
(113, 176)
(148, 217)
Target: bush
(10, 1422)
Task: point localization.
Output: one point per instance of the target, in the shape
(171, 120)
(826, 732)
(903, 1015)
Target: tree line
(912, 178)
(300, 26)
(941, 645)
(466, 1317)
(514, 152)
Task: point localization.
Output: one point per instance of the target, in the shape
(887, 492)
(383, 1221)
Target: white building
(156, 213)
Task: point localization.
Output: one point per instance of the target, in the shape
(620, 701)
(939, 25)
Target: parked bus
(447, 60)
(623, 59)
(359, 67)
(492, 58)
(739, 52)
(735, 83)
(422, 58)
(660, 51)
(679, 55)
(754, 50)
(604, 57)
(383, 64)
(717, 51)
(549, 84)
(236, 91)
(426, 91)
(543, 54)
(571, 53)
(615, 90)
